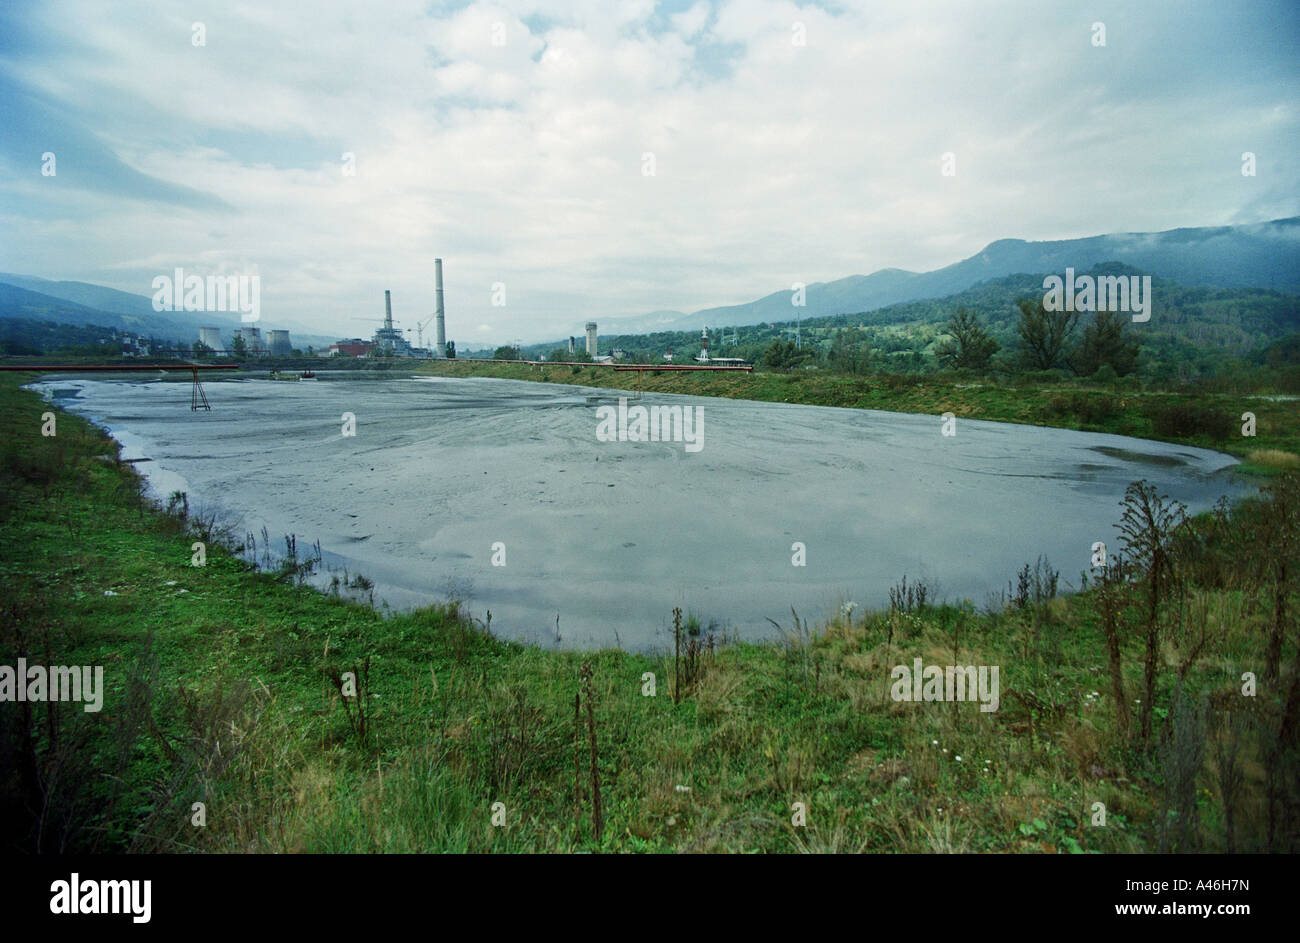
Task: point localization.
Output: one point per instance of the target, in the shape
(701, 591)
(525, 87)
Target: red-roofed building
(353, 348)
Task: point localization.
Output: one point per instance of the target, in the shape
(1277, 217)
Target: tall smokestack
(442, 321)
(388, 311)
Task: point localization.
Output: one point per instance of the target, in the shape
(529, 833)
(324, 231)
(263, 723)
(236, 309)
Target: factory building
(353, 348)
(132, 345)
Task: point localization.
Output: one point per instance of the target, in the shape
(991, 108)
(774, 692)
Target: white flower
(958, 759)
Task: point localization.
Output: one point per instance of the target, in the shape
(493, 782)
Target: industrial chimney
(441, 349)
(388, 311)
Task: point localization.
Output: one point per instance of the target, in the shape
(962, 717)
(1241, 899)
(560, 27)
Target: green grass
(219, 691)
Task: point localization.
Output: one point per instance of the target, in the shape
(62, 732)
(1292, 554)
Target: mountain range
(65, 302)
(1261, 255)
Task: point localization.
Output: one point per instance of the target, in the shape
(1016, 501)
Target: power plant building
(388, 340)
(355, 347)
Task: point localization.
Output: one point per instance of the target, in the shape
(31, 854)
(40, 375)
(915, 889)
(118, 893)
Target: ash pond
(537, 502)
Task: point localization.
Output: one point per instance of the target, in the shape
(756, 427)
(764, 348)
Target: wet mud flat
(511, 496)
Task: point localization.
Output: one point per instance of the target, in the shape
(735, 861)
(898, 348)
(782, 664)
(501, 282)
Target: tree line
(1047, 342)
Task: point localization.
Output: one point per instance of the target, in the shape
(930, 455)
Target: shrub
(1037, 378)
(898, 381)
(1090, 410)
(1105, 374)
(1186, 420)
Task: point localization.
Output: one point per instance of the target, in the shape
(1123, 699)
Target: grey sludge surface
(610, 536)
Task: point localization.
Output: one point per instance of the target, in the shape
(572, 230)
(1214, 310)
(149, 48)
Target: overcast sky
(510, 139)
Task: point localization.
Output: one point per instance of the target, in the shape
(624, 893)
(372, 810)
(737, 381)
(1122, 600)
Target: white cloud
(522, 163)
(690, 22)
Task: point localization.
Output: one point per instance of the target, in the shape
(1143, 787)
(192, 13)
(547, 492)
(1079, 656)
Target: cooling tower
(252, 341)
(277, 342)
(210, 337)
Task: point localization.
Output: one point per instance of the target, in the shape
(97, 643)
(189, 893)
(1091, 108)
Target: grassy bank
(1209, 420)
(225, 686)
